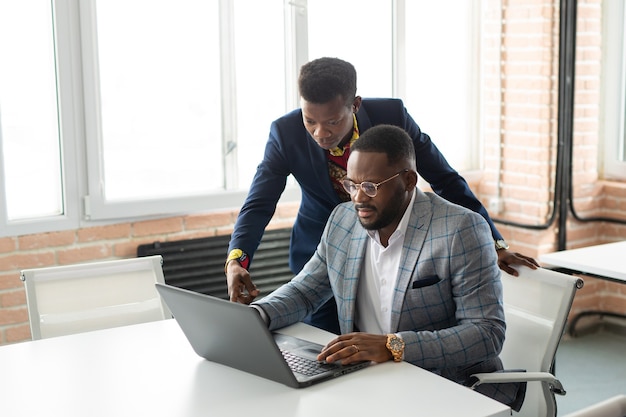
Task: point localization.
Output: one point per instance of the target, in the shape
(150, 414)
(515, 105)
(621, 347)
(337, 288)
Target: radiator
(198, 264)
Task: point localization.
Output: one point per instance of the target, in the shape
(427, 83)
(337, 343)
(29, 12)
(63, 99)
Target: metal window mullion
(94, 146)
(613, 90)
(70, 104)
(621, 139)
(228, 92)
(296, 48)
(398, 28)
(474, 103)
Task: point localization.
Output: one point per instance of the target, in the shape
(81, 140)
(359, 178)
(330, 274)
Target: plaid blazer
(447, 302)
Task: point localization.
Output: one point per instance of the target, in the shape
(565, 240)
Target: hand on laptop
(356, 347)
(241, 289)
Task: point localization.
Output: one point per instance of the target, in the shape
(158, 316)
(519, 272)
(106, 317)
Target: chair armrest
(504, 377)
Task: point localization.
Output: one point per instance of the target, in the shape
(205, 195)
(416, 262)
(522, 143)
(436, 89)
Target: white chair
(536, 306)
(91, 296)
(612, 407)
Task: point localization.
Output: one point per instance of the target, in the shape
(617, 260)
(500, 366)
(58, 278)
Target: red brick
(20, 333)
(13, 298)
(154, 227)
(585, 303)
(115, 231)
(7, 244)
(47, 240)
(23, 260)
(128, 249)
(13, 315)
(210, 221)
(10, 281)
(224, 231)
(84, 254)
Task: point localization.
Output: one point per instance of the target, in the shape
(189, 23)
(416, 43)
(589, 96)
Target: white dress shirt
(378, 279)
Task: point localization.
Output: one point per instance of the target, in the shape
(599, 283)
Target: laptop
(234, 335)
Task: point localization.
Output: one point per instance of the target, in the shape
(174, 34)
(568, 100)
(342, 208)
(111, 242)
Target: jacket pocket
(426, 281)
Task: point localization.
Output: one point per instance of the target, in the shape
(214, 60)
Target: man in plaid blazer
(415, 277)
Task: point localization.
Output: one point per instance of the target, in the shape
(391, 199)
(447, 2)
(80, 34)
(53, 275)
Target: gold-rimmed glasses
(369, 188)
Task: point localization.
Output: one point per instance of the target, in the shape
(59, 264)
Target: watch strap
(239, 256)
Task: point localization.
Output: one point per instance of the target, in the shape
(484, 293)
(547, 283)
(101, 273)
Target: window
(182, 106)
(441, 92)
(262, 93)
(159, 110)
(361, 34)
(614, 89)
(28, 92)
(159, 107)
(38, 180)
(407, 41)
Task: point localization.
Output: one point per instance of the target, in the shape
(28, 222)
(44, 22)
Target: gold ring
(356, 348)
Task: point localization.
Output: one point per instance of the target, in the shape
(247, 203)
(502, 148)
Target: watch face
(395, 344)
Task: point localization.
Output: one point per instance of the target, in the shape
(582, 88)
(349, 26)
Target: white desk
(150, 370)
(606, 262)
(603, 261)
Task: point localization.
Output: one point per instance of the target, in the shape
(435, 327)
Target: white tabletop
(150, 370)
(607, 261)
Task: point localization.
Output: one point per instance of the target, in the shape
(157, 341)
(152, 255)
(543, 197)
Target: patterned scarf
(338, 163)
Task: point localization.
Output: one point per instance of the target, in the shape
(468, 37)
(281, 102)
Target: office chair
(91, 296)
(536, 306)
(611, 407)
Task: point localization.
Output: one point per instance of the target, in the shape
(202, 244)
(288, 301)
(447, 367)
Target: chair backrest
(536, 306)
(91, 296)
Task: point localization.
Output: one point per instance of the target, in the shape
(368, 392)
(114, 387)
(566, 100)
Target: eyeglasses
(369, 188)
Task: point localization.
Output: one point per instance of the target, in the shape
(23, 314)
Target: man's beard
(390, 213)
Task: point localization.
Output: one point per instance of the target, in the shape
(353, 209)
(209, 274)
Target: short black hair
(323, 79)
(387, 139)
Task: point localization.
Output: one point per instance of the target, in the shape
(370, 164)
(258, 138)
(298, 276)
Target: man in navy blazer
(414, 277)
(313, 144)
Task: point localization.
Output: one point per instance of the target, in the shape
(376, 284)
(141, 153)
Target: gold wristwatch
(395, 346)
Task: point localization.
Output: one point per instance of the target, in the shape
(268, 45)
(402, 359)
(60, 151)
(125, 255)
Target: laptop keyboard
(305, 366)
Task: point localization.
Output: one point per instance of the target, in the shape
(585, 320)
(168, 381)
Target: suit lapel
(363, 120)
(414, 239)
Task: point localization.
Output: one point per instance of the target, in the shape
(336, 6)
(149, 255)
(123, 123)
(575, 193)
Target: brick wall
(520, 136)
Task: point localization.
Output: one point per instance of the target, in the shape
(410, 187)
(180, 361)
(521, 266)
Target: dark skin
(330, 124)
(382, 213)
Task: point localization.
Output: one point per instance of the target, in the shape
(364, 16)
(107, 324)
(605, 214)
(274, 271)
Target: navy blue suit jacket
(291, 150)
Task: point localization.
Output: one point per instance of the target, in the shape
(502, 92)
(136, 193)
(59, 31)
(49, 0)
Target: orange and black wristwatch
(239, 256)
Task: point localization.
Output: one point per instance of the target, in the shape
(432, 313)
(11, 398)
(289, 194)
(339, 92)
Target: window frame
(66, 44)
(96, 207)
(613, 90)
